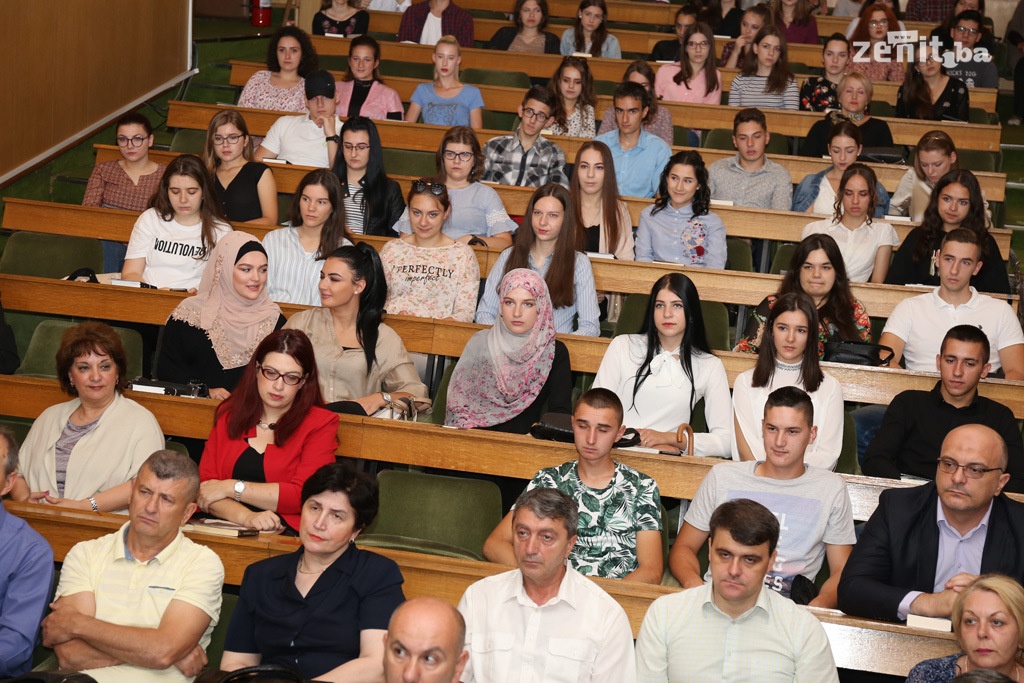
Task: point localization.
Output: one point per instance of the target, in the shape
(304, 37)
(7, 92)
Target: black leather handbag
(857, 353)
(558, 427)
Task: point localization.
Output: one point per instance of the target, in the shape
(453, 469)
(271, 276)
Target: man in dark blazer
(923, 545)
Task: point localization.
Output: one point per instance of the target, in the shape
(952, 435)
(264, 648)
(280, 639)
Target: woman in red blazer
(268, 437)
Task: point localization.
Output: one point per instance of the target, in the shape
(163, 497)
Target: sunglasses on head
(436, 189)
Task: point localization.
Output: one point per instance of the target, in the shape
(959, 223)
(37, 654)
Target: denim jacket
(807, 191)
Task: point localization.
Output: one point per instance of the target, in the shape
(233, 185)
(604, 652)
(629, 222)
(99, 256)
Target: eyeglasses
(464, 157)
(702, 45)
(361, 147)
(436, 189)
(136, 141)
(967, 30)
(530, 113)
(948, 466)
(230, 139)
(289, 378)
(875, 23)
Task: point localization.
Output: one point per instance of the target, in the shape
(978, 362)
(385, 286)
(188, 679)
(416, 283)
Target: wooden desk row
(643, 42)
(859, 644)
(423, 137)
(447, 338)
(663, 15)
(781, 226)
(610, 275)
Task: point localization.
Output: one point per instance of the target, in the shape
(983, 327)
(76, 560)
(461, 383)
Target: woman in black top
(528, 34)
(211, 336)
(855, 92)
(956, 202)
(246, 188)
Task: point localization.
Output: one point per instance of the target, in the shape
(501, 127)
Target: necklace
(856, 118)
(787, 367)
(302, 562)
(263, 424)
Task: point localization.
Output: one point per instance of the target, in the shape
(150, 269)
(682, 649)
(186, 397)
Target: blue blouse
(676, 236)
(447, 111)
(319, 632)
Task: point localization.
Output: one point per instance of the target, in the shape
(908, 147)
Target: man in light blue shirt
(26, 574)
(734, 628)
(639, 156)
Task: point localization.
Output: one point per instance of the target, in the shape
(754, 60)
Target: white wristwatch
(239, 490)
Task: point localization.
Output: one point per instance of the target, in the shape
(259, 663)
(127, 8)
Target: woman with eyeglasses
(316, 228)
(658, 120)
(268, 437)
(428, 260)
(364, 366)
(127, 183)
(373, 201)
(694, 77)
(478, 217)
(930, 93)
(211, 336)
(246, 188)
(873, 29)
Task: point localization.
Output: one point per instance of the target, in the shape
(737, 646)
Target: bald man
(425, 643)
(922, 545)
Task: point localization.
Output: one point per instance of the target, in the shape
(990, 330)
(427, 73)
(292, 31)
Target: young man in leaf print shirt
(619, 508)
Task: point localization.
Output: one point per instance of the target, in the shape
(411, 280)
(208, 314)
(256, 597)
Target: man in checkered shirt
(525, 157)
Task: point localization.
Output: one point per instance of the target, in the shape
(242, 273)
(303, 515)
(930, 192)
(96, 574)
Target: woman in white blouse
(661, 373)
(785, 358)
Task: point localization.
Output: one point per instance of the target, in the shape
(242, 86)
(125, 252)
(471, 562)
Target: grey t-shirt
(813, 510)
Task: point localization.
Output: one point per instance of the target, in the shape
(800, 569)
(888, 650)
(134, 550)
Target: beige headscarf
(234, 324)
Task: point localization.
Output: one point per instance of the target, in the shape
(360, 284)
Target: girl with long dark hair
(788, 356)
(661, 373)
(372, 200)
(694, 78)
(589, 33)
(765, 81)
(817, 270)
(678, 227)
(546, 244)
(282, 87)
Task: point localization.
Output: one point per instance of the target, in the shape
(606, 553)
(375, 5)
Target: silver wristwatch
(387, 398)
(239, 490)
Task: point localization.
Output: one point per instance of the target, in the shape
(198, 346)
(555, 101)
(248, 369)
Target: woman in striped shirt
(766, 81)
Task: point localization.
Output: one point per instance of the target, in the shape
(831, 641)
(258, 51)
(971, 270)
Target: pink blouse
(666, 89)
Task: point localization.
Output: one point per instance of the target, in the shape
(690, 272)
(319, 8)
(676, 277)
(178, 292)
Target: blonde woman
(447, 101)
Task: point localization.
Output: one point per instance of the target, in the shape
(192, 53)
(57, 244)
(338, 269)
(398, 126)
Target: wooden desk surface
(730, 287)
(860, 644)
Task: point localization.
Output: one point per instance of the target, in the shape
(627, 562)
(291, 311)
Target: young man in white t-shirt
(311, 139)
(917, 325)
(811, 504)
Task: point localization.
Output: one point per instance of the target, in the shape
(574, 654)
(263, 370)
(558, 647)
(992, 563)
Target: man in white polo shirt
(310, 139)
(146, 574)
(917, 325)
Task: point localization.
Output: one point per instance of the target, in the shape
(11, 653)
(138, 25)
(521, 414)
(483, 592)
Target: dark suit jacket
(899, 546)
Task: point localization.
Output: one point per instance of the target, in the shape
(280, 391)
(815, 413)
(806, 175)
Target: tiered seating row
(642, 42)
(447, 338)
(728, 287)
(788, 123)
(859, 644)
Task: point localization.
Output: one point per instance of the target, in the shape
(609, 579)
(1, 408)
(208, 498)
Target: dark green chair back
(740, 257)
(434, 514)
(681, 136)
(718, 138)
(777, 144)
(52, 256)
(421, 71)
(188, 141)
(220, 632)
(409, 162)
(716, 325)
(440, 402)
(631, 315)
(976, 160)
(499, 120)
(509, 79)
(783, 255)
(40, 359)
(848, 463)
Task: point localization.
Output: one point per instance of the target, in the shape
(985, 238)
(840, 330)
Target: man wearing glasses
(526, 158)
(922, 545)
(916, 422)
(966, 34)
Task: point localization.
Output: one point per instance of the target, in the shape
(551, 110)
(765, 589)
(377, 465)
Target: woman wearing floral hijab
(211, 336)
(510, 373)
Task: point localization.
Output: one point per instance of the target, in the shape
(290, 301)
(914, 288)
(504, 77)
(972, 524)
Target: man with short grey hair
(26, 574)
(544, 621)
(140, 604)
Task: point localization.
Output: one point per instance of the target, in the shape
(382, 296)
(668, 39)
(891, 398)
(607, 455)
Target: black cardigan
(504, 36)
